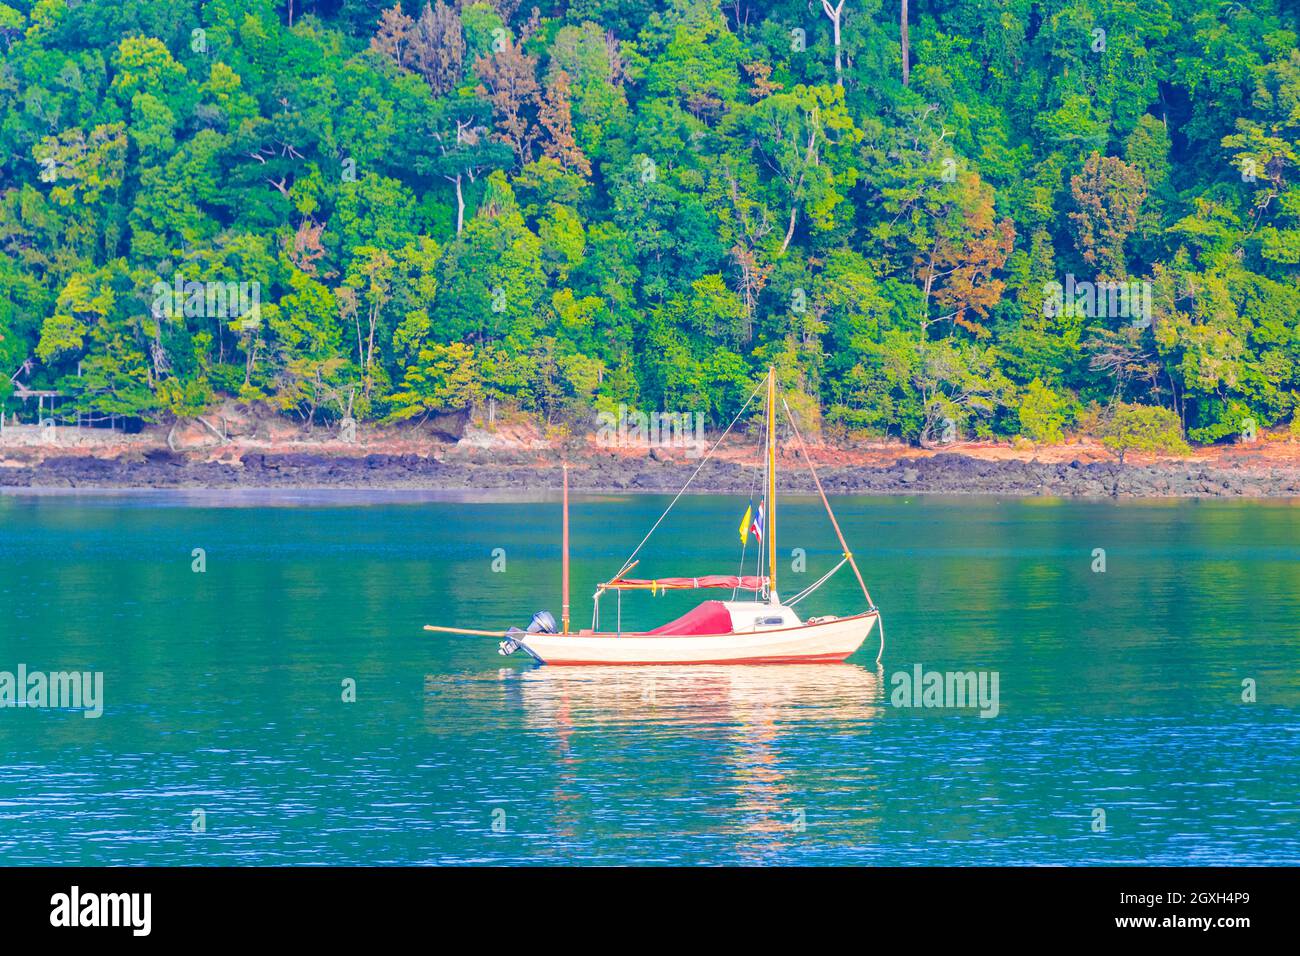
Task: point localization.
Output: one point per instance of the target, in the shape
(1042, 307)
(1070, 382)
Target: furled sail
(749, 582)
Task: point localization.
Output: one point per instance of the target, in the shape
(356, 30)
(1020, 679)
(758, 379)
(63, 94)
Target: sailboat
(762, 630)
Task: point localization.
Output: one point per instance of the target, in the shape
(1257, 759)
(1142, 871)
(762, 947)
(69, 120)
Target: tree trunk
(929, 288)
(834, 14)
(809, 156)
(903, 31)
(210, 427)
(460, 206)
(252, 361)
(789, 233)
(839, 79)
(370, 349)
(361, 349)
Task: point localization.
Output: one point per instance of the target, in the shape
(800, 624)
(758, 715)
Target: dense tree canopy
(560, 209)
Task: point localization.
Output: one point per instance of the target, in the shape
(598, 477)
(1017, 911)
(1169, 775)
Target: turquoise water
(223, 690)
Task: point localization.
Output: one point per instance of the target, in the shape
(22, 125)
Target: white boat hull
(821, 642)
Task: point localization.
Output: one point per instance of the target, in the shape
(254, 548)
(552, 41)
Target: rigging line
(741, 573)
(848, 555)
(814, 586)
(744, 542)
(628, 563)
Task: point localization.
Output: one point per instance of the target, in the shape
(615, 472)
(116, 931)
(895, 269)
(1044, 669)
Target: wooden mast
(771, 483)
(564, 564)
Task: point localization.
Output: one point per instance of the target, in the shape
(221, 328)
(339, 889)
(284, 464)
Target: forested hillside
(350, 206)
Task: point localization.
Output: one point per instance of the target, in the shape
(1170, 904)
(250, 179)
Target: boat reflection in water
(747, 719)
(742, 696)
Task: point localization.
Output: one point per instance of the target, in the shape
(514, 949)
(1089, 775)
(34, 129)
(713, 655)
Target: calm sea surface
(1119, 692)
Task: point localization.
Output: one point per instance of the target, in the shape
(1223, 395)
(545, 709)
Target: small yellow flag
(745, 523)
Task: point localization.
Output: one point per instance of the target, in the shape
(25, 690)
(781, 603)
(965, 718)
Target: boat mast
(564, 564)
(771, 484)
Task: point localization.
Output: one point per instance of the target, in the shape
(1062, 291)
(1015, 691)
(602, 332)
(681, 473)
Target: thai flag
(757, 526)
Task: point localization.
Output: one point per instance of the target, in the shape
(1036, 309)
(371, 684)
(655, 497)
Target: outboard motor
(543, 622)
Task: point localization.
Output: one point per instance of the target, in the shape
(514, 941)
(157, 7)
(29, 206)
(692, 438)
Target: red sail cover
(746, 583)
(711, 617)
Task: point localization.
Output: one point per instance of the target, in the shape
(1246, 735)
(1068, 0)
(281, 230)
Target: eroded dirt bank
(991, 471)
(246, 446)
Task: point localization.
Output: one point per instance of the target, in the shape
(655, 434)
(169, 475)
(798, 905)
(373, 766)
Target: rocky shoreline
(945, 473)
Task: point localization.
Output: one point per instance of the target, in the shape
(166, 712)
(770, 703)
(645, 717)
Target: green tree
(1142, 428)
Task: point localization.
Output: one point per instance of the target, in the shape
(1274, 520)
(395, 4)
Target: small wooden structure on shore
(26, 393)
